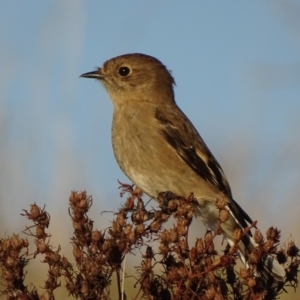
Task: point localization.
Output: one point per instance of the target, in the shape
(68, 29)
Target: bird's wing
(180, 133)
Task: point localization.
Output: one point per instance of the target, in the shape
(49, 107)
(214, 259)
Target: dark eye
(124, 71)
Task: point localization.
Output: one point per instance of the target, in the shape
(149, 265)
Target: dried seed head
(83, 203)
(84, 289)
(292, 250)
(227, 260)
(200, 246)
(165, 236)
(55, 270)
(10, 262)
(258, 237)
(237, 235)
(273, 234)
(78, 226)
(50, 283)
(223, 215)
(94, 248)
(164, 249)
(189, 207)
(211, 277)
(137, 192)
(268, 245)
(181, 210)
(52, 258)
(97, 235)
(245, 273)
(210, 293)
(16, 242)
(77, 252)
(7, 274)
(34, 212)
(41, 246)
(172, 205)
(208, 238)
(40, 232)
(129, 204)
(211, 249)
(148, 215)
(172, 275)
(71, 287)
(137, 217)
(127, 229)
(193, 254)
(6, 244)
(121, 218)
(44, 219)
(173, 235)
(140, 229)
(146, 265)
(221, 201)
(208, 261)
(155, 226)
(25, 243)
(73, 197)
(106, 245)
(79, 214)
(14, 254)
(165, 217)
(292, 272)
(149, 253)
(183, 244)
(116, 228)
(190, 216)
(181, 229)
(132, 237)
(254, 257)
(65, 263)
(251, 282)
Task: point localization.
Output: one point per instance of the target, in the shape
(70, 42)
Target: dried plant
(170, 268)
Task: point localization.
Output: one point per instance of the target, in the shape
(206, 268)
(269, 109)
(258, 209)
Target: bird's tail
(267, 266)
(255, 250)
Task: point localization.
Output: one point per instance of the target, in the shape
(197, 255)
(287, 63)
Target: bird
(159, 149)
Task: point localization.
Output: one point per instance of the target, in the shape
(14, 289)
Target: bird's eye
(124, 71)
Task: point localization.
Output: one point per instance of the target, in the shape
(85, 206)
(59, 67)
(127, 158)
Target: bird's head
(135, 77)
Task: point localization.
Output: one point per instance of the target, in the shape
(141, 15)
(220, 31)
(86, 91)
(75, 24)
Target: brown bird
(160, 150)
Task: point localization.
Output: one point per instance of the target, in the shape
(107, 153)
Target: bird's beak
(95, 74)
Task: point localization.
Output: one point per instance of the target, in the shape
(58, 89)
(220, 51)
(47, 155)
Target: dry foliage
(187, 271)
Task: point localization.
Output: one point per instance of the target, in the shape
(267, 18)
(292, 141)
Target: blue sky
(237, 69)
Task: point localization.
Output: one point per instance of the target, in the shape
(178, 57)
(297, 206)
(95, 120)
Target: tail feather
(274, 269)
(268, 267)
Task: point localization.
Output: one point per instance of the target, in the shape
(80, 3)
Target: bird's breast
(134, 148)
(144, 155)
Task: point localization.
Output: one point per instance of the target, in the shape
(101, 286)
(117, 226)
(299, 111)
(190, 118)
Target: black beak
(96, 74)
